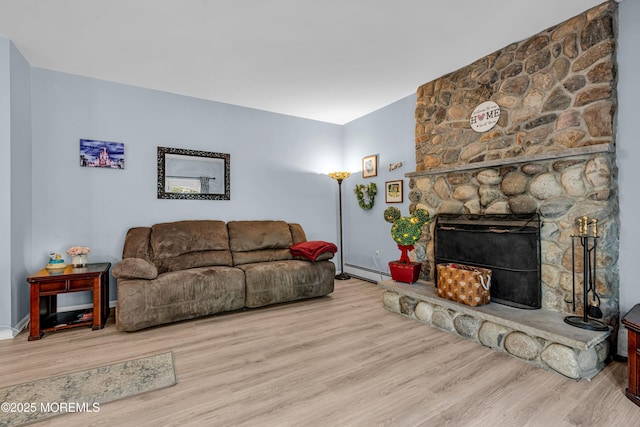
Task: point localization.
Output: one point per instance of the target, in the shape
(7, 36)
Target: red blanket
(311, 250)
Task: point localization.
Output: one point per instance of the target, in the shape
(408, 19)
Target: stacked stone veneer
(551, 152)
(556, 90)
(577, 359)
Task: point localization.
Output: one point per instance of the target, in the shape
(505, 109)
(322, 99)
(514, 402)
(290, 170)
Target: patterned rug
(84, 391)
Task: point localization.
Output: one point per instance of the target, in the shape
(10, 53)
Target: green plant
(406, 230)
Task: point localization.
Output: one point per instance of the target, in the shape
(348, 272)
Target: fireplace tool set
(588, 240)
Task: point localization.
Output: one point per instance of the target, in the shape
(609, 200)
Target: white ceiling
(328, 60)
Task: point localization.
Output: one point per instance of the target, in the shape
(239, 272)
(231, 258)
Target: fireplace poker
(589, 279)
(573, 272)
(586, 273)
(594, 310)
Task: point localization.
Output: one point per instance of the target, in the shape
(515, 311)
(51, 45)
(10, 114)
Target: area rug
(84, 391)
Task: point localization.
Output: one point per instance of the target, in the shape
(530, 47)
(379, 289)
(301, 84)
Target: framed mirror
(193, 174)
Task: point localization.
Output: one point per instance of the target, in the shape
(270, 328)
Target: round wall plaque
(485, 116)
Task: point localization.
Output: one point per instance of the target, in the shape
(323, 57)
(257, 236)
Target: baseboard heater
(366, 273)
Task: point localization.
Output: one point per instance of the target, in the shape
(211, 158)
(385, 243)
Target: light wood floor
(340, 360)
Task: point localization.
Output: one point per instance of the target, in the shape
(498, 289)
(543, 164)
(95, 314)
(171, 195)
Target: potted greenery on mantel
(405, 231)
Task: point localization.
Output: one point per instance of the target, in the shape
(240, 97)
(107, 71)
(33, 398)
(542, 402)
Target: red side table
(45, 288)
(632, 321)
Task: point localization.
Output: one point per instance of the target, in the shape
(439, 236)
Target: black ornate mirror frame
(223, 194)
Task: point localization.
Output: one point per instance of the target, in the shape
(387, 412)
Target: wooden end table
(48, 285)
(632, 322)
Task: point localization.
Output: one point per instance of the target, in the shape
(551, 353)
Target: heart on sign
(481, 117)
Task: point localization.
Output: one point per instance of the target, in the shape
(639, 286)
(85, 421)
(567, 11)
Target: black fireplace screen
(507, 244)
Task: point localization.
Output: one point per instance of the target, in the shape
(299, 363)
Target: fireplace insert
(507, 244)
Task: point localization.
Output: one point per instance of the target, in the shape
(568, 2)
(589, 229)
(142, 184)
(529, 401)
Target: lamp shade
(339, 175)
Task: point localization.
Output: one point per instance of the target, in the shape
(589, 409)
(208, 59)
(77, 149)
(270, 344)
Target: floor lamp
(340, 176)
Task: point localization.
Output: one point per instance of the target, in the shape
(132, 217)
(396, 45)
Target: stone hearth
(539, 337)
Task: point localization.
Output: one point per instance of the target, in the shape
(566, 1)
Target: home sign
(485, 116)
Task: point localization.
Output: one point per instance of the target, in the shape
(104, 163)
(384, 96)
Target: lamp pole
(340, 176)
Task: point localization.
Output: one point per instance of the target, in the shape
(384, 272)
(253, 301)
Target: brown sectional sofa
(182, 270)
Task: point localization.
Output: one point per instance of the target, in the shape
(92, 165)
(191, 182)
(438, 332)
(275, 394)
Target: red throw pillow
(313, 249)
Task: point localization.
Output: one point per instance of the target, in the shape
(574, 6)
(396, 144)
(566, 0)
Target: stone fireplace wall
(552, 151)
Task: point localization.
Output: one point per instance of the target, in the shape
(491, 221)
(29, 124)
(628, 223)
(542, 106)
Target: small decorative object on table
(78, 255)
(405, 231)
(56, 263)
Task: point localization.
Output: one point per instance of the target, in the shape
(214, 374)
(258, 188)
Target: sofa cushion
(178, 296)
(264, 255)
(297, 233)
(281, 281)
(193, 260)
(188, 244)
(325, 256)
(258, 241)
(171, 239)
(135, 268)
(255, 235)
(136, 244)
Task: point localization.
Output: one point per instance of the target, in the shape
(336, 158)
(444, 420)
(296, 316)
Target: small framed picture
(370, 166)
(393, 191)
(101, 154)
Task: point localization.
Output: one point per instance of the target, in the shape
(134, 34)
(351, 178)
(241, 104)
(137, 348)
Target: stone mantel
(552, 155)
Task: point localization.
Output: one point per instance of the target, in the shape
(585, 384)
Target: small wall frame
(101, 154)
(393, 191)
(370, 166)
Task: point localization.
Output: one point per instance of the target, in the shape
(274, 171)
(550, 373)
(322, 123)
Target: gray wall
(278, 165)
(21, 174)
(389, 133)
(5, 196)
(15, 174)
(628, 152)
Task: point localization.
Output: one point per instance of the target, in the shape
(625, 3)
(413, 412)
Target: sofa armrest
(135, 268)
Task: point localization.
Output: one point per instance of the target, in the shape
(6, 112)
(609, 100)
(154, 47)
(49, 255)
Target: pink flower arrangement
(78, 250)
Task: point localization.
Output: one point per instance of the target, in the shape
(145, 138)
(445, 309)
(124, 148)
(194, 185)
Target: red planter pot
(407, 273)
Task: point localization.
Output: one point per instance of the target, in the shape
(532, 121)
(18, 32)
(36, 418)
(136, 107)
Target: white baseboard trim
(9, 332)
(6, 333)
(366, 273)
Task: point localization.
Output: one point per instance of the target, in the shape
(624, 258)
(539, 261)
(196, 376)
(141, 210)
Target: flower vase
(79, 260)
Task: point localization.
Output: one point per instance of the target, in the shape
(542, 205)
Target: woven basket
(464, 283)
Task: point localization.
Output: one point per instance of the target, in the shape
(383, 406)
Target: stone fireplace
(552, 152)
(508, 245)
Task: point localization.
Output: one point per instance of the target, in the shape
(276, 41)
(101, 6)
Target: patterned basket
(464, 283)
